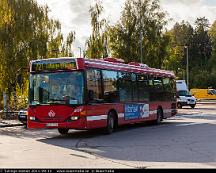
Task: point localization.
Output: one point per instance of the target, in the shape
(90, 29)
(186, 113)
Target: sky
(74, 14)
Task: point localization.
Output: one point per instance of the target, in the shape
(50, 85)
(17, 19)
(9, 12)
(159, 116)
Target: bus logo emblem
(51, 114)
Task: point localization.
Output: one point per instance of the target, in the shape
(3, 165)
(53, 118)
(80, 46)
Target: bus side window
(155, 88)
(110, 86)
(167, 89)
(125, 89)
(143, 89)
(159, 89)
(158, 85)
(94, 84)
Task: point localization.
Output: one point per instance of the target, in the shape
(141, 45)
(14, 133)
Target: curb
(206, 102)
(11, 125)
(2, 125)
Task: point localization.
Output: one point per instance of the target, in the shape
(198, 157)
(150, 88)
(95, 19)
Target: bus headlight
(74, 118)
(32, 118)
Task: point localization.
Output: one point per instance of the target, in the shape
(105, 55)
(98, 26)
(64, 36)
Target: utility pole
(141, 38)
(187, 69)
(141, 51)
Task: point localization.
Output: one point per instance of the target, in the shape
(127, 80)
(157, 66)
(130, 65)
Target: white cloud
(189, 10)
(74, 14)
(186, 2)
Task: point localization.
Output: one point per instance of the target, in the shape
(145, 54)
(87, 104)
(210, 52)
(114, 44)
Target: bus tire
(63, 131)
(192, 106)
(159, 116)
(110, 123)
(179, 105)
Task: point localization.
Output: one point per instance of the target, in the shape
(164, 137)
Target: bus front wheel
(192, 106)
(179, 105)
(63, 131)
(110, 123)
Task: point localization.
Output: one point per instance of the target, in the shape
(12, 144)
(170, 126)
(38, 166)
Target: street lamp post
(187, 69)
(141, 50)
(80, 51)
(141, 38)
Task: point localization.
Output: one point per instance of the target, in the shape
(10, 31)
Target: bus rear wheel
(63, 131)
(159, 116)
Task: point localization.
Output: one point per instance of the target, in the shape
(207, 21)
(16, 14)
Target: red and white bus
(77, 93)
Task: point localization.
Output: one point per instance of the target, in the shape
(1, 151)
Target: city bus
(79, 93)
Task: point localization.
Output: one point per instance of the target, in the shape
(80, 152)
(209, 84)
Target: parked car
(184, 98)
(22, 116)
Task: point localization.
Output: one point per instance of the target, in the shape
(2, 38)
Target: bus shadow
(169, 142)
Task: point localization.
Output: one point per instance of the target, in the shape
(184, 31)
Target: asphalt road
(187, 140)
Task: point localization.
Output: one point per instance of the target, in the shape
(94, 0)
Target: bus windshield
(57, 88)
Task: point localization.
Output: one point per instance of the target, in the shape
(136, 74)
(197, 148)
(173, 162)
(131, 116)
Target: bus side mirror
(91, 95)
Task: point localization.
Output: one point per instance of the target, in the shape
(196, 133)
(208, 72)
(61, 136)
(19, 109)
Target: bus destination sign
(52, 65)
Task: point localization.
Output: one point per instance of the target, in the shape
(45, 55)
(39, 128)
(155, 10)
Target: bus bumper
(82, 123)
(78, 124)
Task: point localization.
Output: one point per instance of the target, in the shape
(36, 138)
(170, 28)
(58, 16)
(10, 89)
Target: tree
(140, 29)
(212, 61)
(96, 44)
(67, 50)
(201, 43)
(26, 33)
(180, 35)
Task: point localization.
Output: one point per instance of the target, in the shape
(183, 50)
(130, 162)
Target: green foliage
(96, 44)
(140, 27)
(212, 60)
(179, 36)
(201, 48)
(139, 36)
(201, 42)
(27, 33)
(203, 79)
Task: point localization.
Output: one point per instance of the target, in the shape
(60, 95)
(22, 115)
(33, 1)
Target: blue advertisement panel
(135, 111)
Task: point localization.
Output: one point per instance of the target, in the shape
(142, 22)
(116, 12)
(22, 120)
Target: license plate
(52, 124)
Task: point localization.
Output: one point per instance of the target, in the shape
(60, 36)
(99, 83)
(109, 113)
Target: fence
(9, 115)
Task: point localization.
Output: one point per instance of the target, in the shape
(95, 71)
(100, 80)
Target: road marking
(189, 124)
(192, 115)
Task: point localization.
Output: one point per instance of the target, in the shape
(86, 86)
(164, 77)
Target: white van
(184, 98)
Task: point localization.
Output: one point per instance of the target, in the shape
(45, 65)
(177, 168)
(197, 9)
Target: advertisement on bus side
(135, 111)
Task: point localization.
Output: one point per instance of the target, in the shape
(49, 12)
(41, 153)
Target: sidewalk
(206, 101)
(9, 123)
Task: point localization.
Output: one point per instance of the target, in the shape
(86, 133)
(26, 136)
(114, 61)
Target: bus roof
(107, 63)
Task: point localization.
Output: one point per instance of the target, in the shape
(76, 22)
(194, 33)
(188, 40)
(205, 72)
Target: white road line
(189, 124)
(196, 115)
